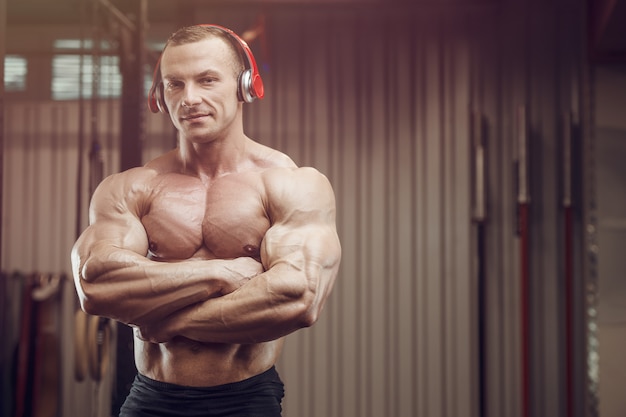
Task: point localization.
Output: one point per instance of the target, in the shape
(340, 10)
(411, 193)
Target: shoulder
(131, 180)
(264, 157)
(135, 182)
(293, 176)
(166, 163)
(293, 190)
(124, 191)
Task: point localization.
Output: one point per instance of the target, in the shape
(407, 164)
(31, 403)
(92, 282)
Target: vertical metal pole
(132, 132)
(479, 219)
(81, 122)
(523, 200)
(95, 154)
(568, 244)
(3, 277)
(133, 103)
(3, 36)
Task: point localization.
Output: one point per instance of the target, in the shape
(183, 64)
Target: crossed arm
(213, 300)
(115, 279)
(300, 254)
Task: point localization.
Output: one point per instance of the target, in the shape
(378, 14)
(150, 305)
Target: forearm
(266, 308)
(135, 290)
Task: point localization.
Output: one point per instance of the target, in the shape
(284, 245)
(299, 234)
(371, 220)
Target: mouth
(194, 116)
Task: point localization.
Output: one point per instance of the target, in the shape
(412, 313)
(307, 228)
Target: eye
(172, 84)
(207, 80)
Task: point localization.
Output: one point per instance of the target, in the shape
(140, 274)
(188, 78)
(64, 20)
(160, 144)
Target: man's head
(250, 85)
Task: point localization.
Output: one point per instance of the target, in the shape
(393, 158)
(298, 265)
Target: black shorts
(258, 396)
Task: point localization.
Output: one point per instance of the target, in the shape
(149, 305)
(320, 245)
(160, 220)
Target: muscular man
(212, 252)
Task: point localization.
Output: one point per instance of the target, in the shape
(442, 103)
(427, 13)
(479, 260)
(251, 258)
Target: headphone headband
(249, 83)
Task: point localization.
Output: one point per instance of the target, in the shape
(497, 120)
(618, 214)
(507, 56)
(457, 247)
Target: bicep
(114, 223)
(116, 232)
(302, 247)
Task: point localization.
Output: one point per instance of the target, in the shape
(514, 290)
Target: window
(66, 66)
(66, 81)
(15, 70)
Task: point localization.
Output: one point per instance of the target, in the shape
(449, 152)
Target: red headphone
(249, 82)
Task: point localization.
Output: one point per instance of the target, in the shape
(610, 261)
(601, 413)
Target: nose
(190, 96)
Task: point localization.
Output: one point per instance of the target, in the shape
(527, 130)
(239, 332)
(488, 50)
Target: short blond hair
(197, 33)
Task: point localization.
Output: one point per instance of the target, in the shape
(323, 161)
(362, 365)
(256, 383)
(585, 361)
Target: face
(200, 89)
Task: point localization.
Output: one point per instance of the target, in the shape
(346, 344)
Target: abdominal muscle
(186, 362)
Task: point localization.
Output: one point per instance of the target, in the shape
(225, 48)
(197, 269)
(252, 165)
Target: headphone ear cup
(153, 103)
(156, 90)
(159, 95)
(256, 84)
(249, 86)
(244, 84)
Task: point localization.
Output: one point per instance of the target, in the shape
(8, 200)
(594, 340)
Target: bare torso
(186, 219)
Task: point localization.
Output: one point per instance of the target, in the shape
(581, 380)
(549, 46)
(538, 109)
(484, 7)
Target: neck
(215, 158)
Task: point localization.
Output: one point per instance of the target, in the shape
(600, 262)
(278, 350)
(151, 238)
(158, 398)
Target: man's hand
(242, 270)
(153, 333)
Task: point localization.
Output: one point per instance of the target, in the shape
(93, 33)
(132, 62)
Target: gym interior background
(477, 151)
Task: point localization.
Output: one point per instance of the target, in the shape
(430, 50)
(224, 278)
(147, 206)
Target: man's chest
(186, 218)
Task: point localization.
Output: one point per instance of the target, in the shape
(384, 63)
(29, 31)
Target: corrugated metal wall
(381, 103)
(382, 108)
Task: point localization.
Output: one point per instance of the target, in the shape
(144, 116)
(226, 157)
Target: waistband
(271, 375)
